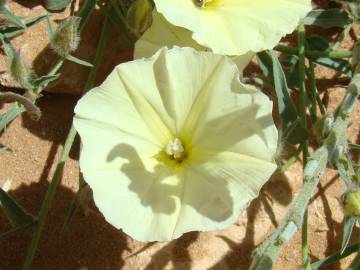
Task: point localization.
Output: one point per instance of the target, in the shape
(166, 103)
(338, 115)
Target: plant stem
(314, 92)
(266, 254)
(301, 54)
(48, 199)
(314, 53)
(64, 155)
(16, 229)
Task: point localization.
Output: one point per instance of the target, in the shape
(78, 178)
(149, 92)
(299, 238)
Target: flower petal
(110, 104)
(164, 34)
(239, 121)
(217, 191)
(235, 27)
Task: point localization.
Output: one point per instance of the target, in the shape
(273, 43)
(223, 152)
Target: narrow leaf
(78, 61)
(335, 257)
(8, 48)
(272, 69)
(327, 18)
(45, 80)
(10, 31)
(11, 17)
(15, 213)
(348, 227)
(56, 5)
(321, 44)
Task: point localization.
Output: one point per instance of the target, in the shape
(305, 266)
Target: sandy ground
(34, 148)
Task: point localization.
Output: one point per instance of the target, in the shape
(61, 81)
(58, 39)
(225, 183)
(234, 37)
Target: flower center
(175, 150)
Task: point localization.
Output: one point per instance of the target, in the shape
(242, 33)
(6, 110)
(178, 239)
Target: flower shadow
(129, 153)
(165, 202)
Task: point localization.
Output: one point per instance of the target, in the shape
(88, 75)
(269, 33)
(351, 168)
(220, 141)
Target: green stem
(314, 92)
(268, 251)
(343, 35)
(17, 229)
(301, 53)
(314, 53)
(48, 199)
(64, 155)
(292, 159)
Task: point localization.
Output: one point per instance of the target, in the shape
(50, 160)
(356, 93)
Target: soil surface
(90, 242)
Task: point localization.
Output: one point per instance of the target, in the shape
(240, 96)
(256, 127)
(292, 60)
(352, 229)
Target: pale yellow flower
(175, 143)
(164, 34)
(235, 27)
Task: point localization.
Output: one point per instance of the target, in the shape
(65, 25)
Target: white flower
(235, 27)
(175, 143)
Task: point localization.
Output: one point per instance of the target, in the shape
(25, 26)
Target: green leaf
(43, 81)
(10, 31)
(15, 213)
(328, 18)
(56, 5)
(11, 17)
(290, 64)
(348, 228)
(272, 69)
(8, 48)
(78, 61)
(335, 257)
(10, 115)
(3, 149)
(321, 44)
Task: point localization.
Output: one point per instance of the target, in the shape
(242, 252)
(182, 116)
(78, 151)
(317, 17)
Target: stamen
(201, 3)
(175, 149)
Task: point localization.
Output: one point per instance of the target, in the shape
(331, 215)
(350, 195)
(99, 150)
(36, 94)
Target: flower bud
(21, 71)
(66, 38)
(351, 202)
(139, 17)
